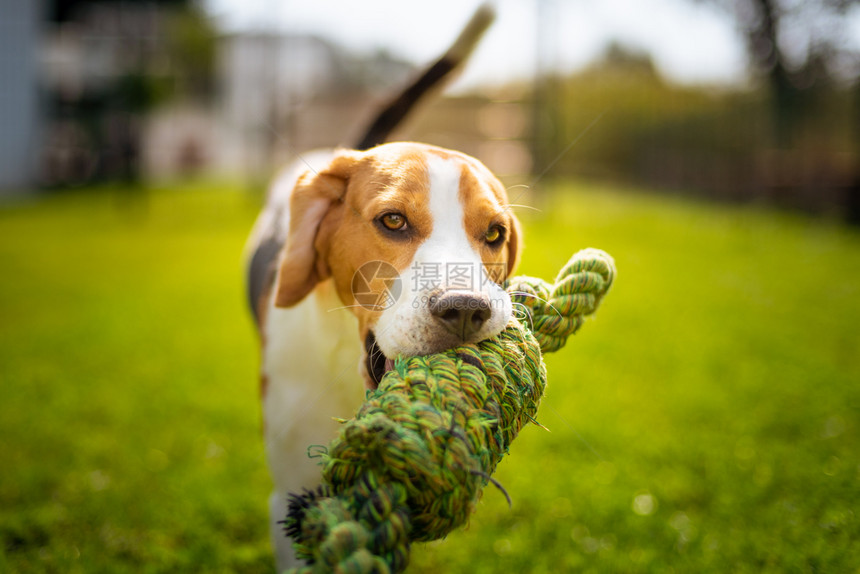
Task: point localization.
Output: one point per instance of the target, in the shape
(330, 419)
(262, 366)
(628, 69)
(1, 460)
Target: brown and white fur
(421, 209)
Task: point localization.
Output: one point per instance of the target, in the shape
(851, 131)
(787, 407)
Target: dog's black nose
(462, 313)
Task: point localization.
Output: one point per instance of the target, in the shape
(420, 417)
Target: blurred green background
(705, 421)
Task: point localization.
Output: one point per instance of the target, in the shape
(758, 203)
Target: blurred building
(96, 92)
(283, 93)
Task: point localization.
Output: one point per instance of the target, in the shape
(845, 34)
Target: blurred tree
(802, 49)
(796, 46)
(191, 46)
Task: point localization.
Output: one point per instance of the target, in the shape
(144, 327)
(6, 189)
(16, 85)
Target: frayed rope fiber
(412, 463)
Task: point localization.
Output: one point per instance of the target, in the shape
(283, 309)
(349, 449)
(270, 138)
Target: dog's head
(416, 239)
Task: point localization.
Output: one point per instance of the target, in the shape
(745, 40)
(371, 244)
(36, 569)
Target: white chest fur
(310, 362)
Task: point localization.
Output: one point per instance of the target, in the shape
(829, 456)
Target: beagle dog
(361, 256)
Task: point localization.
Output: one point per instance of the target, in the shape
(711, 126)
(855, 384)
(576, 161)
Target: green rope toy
(412, 463)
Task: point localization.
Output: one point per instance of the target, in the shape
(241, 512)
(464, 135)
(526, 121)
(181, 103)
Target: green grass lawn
(706, 421)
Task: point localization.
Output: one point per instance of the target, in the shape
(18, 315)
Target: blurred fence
(708, 141)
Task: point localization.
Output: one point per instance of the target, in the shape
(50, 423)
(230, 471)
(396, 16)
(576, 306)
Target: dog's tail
(402, 104)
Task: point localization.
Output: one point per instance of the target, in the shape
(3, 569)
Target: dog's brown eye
(393, 221)
(494, 234)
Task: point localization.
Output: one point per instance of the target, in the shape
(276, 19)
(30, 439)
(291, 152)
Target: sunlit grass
(705, 421)
(129, 429)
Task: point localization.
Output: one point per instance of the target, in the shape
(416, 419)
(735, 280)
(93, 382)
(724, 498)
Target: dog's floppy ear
(515, 243)
(301, 265)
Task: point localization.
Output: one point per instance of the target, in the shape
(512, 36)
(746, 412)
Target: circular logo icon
(376, 285)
